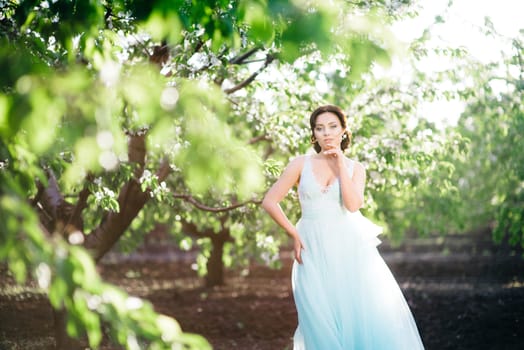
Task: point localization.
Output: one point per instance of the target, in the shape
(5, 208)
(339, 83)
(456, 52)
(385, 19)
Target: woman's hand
(335, 152)
(297, 247)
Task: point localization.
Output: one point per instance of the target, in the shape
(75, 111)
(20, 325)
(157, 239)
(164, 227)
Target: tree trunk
(131, 200)
(62, 340)
(59, 216)
(215, 264)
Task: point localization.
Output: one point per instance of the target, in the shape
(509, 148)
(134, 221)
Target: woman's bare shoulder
(300, 159)
(297, 162)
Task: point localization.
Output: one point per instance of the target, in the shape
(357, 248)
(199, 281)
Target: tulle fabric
(345, 295)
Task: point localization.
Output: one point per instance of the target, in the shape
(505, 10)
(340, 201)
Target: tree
(105, 103)
(483, 186)
(491, 177)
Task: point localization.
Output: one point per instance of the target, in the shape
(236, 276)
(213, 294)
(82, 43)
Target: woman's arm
(352, 188)
(279, 190)
(276, 193)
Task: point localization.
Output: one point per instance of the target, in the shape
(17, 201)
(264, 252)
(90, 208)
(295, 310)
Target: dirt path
(465, 293)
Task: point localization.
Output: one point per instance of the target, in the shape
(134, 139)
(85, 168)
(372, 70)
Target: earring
(313, 140)
(345, 136)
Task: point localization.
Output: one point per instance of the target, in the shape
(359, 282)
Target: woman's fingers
(298, 250)
(298, 257)
(334, 152)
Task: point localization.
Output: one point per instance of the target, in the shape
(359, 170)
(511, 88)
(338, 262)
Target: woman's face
(328, 130)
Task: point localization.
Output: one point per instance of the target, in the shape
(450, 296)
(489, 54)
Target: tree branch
(163, 170)
(255, 60)
(190, 199)
(191, 228)
(47, 201)
(258, 139)
(269, 59)
(198, 46)
(160, 54)
(56, 214)
(241, 58)
(136, 151)
(76, 218)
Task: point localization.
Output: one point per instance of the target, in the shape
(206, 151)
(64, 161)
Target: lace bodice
(315, 199)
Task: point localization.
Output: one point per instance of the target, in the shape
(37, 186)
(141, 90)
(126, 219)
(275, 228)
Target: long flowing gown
(345, 295)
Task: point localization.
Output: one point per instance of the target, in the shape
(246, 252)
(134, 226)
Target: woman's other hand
(297, 247)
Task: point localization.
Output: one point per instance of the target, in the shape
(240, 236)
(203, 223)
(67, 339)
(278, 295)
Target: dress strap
(306, 164)
(351, 166)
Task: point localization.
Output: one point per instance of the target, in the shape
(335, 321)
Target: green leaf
(57, 292)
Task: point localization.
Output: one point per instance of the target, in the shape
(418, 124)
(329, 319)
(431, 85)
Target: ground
(464, 292)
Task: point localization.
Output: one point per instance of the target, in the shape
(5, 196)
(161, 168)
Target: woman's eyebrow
(329, 123)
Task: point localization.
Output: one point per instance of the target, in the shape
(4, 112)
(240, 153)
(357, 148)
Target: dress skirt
(345, 294)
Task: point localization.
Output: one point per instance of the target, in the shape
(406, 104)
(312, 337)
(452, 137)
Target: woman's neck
(321, 155)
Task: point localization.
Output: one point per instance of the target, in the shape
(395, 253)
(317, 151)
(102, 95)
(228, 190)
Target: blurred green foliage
(79, 77)
(222, 91)
(491, 178)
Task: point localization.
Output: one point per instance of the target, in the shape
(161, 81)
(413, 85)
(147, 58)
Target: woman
(346, 296)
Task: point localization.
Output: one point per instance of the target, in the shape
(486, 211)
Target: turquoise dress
(346, 296)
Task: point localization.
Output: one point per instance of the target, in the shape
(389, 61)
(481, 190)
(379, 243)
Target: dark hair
(341, 117)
